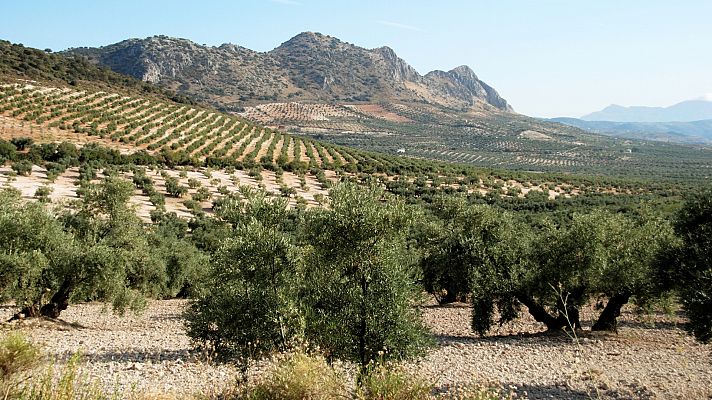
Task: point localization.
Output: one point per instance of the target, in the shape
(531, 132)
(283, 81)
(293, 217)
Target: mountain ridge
(685, 111)
(309, 67)
(692, 132)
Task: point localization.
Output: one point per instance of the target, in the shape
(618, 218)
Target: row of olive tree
(488, 257)
(346, 277)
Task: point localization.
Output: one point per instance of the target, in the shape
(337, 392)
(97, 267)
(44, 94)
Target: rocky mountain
(686, 111)
(309, 67)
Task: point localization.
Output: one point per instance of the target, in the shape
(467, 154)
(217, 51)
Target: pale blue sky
(546, 57)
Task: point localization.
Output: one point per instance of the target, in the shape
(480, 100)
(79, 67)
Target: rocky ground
(650, 357)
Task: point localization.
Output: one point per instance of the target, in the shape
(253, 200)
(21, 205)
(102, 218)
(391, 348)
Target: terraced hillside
(153, 125)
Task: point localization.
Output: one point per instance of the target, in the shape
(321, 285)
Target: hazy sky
(546, 57)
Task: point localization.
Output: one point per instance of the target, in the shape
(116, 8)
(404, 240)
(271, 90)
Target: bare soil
(650, 357)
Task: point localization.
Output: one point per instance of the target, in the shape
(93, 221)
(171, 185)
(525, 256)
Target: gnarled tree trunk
(58, 303)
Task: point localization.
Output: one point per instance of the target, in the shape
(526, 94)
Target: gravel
(650, 357)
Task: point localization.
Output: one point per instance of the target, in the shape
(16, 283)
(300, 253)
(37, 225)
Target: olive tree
(496, 262)
(33, 244)
(610, 257)
(99, 251)
(251, 305)
(688, 267)
(360, 281)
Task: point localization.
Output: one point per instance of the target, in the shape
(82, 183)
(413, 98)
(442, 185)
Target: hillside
(181, 134)
(310, 67)
(20, 62)
(371, 100)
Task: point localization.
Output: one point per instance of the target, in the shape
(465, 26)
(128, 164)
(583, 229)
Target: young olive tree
(251, 305)
(360, 281)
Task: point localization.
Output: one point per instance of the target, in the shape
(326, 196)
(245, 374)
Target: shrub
(193, 183)
(42, 194)
(193, 206)
(157, 199)
(382, 382)
(202, 194)
(298, 376)
(23, 167)
(17, 355)
(174, 188)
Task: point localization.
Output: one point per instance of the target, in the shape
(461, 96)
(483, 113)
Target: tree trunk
(450, 297)
(59, 301)
(28, 312)
(608, 320)
(571, 319)
(541, 315)
(362, 325)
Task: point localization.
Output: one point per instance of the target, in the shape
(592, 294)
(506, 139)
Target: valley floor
(651, 357)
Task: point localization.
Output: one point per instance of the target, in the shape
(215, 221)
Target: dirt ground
(650, 357)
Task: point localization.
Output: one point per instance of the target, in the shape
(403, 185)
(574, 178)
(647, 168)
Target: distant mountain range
(685, 122)
(694, 132)
(686, 111)
(310, 67)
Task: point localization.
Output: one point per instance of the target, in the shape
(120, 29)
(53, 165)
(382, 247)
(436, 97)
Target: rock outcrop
(309, 67)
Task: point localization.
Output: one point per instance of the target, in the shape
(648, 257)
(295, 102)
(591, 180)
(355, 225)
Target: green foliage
(689, 266)
(34, 247)
(7, 151)
(361, 284)
(174, 188)
(184, 263)
(22, 167)
(21, 143)
(252, 307)
(471, 250)
(100, 251)
(193, 183)
(42, 194)
(202, 194)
